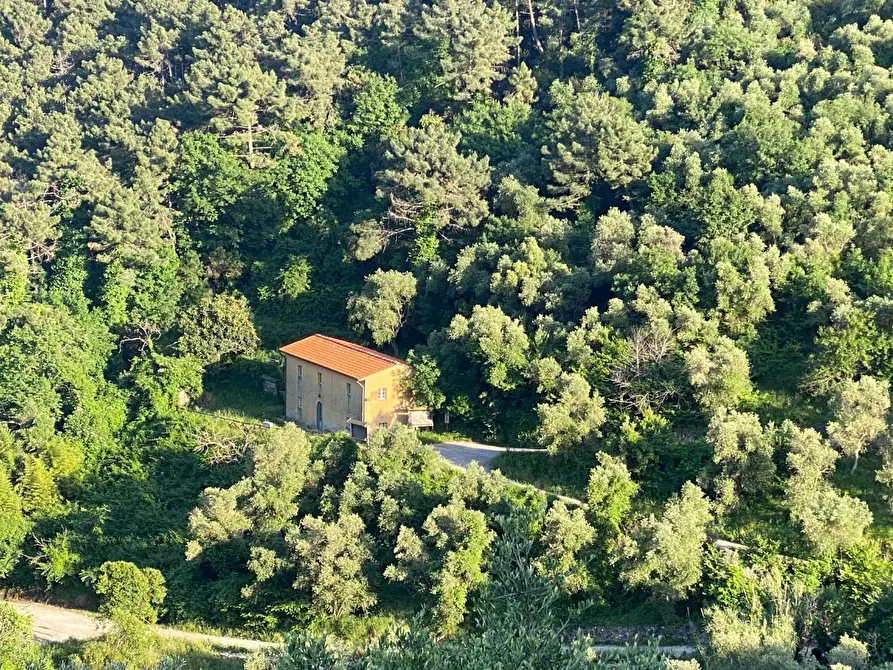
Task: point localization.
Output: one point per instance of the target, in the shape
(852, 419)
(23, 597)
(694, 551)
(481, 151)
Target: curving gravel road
(461, 454)
(57, 624)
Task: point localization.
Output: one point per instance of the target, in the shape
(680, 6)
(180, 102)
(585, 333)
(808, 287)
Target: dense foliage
(652, 237)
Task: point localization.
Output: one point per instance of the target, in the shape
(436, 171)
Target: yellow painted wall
(336, 407)
(384, 411)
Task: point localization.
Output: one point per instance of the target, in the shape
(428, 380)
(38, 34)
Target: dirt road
(461, 454)
(56, 624)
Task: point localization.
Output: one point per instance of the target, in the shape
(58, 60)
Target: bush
(129, 593)
(850, 652)
(16, 632)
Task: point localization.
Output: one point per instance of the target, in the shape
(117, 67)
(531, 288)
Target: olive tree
(447, 559)
(830, 520)
(743, 450)
(263, 502)
(330, 559)
(860, 414)
(574, 414)
(666, 554)
(720, 374)
(496, 342)
(610, 492)
(380, 307)
(565, 534)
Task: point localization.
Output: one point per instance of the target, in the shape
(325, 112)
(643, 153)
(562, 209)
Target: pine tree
(432, 191)
(472, 40)
(228, 86)
(593, 138)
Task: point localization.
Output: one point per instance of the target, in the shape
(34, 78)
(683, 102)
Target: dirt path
(56, 624)
(461, 454)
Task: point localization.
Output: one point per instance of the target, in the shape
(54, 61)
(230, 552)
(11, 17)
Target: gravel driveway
(461, 454)
(56, 624)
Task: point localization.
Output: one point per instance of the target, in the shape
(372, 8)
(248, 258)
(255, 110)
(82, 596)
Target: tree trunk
(518, 32)
(251, 148)
(536, 37)
(855, 463)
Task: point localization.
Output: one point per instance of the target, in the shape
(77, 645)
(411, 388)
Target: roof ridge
(354, 345)
(343, 356)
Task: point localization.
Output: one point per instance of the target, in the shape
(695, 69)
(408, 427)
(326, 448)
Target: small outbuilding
(333, 384)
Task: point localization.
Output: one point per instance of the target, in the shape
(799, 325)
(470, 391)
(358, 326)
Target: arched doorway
(319, 415)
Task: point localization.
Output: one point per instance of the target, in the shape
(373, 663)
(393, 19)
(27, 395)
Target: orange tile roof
(341, 356)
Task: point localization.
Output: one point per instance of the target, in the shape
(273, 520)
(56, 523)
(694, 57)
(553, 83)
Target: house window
(382, 394)
(348, 391)
(300, 403)
(383, 424)
(319, 379)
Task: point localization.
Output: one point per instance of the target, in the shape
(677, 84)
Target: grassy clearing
(437, 436)
(195, 655)
(193, 626)
(761, 519)
(236, 391)
(564, 474)
(777, 406)
(862, 483)
(648, 618)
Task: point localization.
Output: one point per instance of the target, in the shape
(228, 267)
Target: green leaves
(610, 493)
(860, 411)
(471, 39)
(720, 374)
(448, 559)
(575, 414)
(830, 520)
(744, 450)
(229, 87)
(494, 341)
(13, 526)
(330, 559)
(429, 187)
(129, 594)
(220, 327)
(642, 226)
(666, 554)
(381, 307)
(593, 137)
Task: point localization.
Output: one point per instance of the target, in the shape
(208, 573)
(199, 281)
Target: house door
(319, 415)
